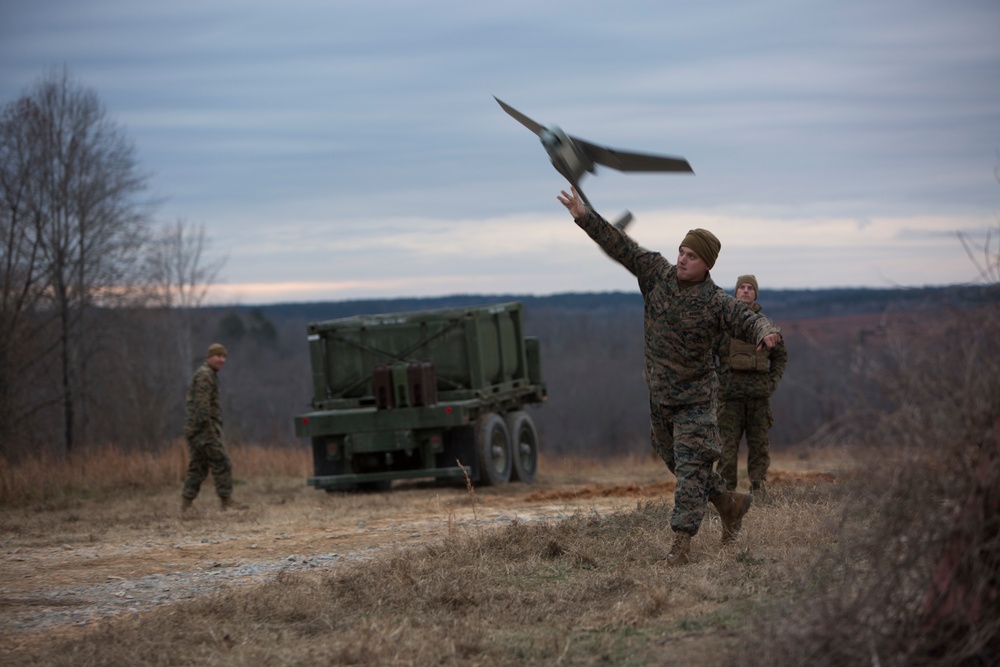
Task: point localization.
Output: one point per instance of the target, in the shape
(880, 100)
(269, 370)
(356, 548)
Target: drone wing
(520, 117)
(628, 161)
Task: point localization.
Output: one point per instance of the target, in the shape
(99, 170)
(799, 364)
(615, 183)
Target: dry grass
(108, 470)
(591, 589)
(895, 563)
(915, 578)
(807, 582)
(104, 471)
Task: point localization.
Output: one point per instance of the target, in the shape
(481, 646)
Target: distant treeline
(779, 304)
(591, 353)
(592, 356)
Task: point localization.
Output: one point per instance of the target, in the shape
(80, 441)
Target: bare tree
(177, 277)
(176, 267)
(984, 256)
(75, 183)
(22, 279)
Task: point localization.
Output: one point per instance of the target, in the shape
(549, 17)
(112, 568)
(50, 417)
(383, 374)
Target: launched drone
(574, 158)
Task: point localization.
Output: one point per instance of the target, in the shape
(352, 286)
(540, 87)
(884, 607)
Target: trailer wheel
(493, 444)
(524, 446)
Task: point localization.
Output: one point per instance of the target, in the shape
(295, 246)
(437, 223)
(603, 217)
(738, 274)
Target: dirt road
(69, 565)
(72, 564)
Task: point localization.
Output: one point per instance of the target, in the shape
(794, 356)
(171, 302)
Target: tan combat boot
(759, 491)
(229, 504)
(732, 508)
(186, 504)
(680, 552)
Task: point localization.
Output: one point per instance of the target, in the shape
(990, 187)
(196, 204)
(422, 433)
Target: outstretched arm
(613, 241)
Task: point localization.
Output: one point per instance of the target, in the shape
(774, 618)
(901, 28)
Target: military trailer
(427, 394)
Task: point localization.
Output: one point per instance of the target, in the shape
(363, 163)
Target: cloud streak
(350, 149)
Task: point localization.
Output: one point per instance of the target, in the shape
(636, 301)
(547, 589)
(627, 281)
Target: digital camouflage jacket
(681, 326)
(204, 410)
(759, 382)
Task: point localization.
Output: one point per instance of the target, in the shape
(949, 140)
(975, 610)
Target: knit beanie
(214, 349)
(705, 245)
(749, 279)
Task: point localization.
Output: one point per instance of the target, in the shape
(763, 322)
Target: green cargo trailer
(429, 394)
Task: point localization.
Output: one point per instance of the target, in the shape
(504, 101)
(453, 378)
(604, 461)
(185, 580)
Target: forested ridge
(591, 351)
(591, 357)
(785, 303)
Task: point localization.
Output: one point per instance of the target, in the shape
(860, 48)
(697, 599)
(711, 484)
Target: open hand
(573, 203)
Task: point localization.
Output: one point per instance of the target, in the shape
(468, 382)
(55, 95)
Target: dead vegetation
(882, 553)
(587, 590)
(585, 586)
(817, 576)
(915, 578)
(103, 471)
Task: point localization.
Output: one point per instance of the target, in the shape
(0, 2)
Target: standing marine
(747, 378)
(203, 433)
(684, 313)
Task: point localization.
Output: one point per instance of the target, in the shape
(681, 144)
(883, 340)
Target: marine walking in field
(684, 313)
(747, 378)
(203, 433)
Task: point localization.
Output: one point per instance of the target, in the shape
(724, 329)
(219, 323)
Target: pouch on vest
(745, 357)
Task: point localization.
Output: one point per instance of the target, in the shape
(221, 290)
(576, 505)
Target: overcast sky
(352, 149)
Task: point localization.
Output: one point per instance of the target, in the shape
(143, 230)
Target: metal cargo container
(434, 393)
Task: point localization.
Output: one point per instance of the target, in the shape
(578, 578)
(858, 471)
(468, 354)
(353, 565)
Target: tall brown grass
(915, 577)
(112, 469)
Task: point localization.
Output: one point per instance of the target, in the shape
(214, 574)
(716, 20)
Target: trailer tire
(493, 445)
(524, 446)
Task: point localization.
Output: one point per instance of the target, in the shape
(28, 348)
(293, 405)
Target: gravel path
(44, 611)
(57, 589)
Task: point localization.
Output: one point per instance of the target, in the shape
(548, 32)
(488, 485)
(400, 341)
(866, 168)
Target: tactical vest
(745, 357)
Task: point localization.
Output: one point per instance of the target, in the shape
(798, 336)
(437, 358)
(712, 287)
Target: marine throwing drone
(574, 158)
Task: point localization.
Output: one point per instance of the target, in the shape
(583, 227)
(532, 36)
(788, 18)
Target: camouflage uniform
(746, 408)
(681, 326)
(203, 432)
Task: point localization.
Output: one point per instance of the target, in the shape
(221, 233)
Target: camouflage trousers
(753, 417)
(687, 439)
(206, 453)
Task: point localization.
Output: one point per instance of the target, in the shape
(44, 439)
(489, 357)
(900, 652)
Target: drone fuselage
(565, 155)
(575, 157)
